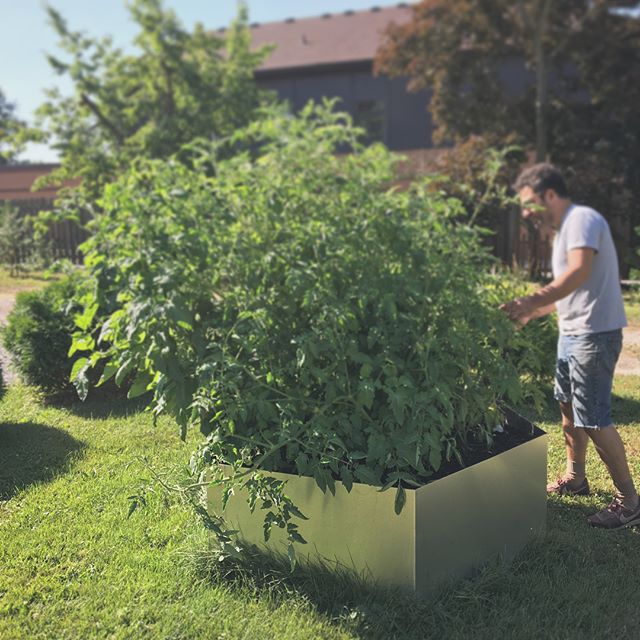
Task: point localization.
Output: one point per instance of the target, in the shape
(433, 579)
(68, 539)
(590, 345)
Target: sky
(25, 37)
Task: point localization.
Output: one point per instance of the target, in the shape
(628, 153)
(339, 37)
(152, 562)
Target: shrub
(302, 314)
(40, 329)
(38, 335)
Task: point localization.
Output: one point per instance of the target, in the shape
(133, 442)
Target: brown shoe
(563, 487)
(615, 516)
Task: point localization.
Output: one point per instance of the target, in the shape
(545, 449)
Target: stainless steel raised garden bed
(447, 529)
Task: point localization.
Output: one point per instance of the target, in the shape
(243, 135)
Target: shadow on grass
(626, 410)
(100, 407)
(346, 598)
(569, 584)
(31, 453)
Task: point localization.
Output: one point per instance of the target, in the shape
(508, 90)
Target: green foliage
(16, 238)
(10, 126)
(533, 347)
(38, 335)
(300, 313)
(24, 245)
(39, 332)
(177, 86)
(155, 576)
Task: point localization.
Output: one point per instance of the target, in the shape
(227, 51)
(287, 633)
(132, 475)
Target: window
(369, 115)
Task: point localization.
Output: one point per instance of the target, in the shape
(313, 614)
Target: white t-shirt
(596, 305)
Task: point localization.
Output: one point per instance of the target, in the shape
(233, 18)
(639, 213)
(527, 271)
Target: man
(586, 294)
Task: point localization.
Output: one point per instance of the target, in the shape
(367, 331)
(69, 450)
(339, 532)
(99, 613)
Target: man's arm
(543, 300)
(540, 312)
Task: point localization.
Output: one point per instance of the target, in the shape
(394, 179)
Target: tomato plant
(299, 311)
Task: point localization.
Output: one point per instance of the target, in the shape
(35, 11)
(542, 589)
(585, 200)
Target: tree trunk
(542, 80)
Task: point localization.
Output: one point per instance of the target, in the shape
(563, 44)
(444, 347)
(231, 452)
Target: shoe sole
(633, 523)
(581, 493)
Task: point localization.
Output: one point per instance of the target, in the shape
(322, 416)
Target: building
(332, 56)
(16, 183)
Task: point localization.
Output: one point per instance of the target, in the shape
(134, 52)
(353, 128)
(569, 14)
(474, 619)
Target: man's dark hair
(540, 177)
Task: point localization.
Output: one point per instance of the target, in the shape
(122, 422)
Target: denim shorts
(584, 375)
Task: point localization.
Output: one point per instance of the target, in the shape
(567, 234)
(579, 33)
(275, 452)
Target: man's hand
(520, 310)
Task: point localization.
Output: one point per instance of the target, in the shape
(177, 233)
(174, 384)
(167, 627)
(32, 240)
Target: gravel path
(6, 304)
(629, 362)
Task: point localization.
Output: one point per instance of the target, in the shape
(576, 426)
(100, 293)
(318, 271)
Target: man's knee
(566, 410)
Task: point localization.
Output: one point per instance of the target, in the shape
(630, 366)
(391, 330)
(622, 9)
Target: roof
(16, 181)
(333, 38)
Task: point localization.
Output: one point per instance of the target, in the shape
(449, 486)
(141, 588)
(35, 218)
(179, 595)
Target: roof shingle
(338, 38)
(16, 182)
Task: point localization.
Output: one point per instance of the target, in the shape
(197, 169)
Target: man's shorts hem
(591, 426)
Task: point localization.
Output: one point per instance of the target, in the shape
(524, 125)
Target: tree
(176, 86)
(9, 127)
(560, 78)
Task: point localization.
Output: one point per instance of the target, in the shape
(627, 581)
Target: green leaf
(78, 366)
(107, 373)
(296, 512)
(140, 385)
(81, 342)
(401, 499)
(133, 505)
(296, 537)
(123, 370)
(79, 377)
(320, 479)
(435, 458)
(365, 370)
(347, 478)
(83, 321)
(291, 552)
(365, 395)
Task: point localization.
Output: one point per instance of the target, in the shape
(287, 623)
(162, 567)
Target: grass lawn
(632, 306)
(73, 566)
(24, 282)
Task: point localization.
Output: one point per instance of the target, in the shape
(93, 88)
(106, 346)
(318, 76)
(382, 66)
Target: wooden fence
(63, 238)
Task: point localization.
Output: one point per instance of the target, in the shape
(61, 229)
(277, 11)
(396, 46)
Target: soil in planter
(516, 431)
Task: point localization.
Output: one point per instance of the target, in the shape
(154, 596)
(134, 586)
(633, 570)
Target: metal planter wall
(447, 529)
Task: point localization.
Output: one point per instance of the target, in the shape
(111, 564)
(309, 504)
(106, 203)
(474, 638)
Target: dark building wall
(410, 124)
(406, 123)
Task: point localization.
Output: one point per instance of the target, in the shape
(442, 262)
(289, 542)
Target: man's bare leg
(573, 482)
(576, 442)
(610, 448)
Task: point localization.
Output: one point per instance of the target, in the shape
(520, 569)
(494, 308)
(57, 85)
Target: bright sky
(25, 37)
